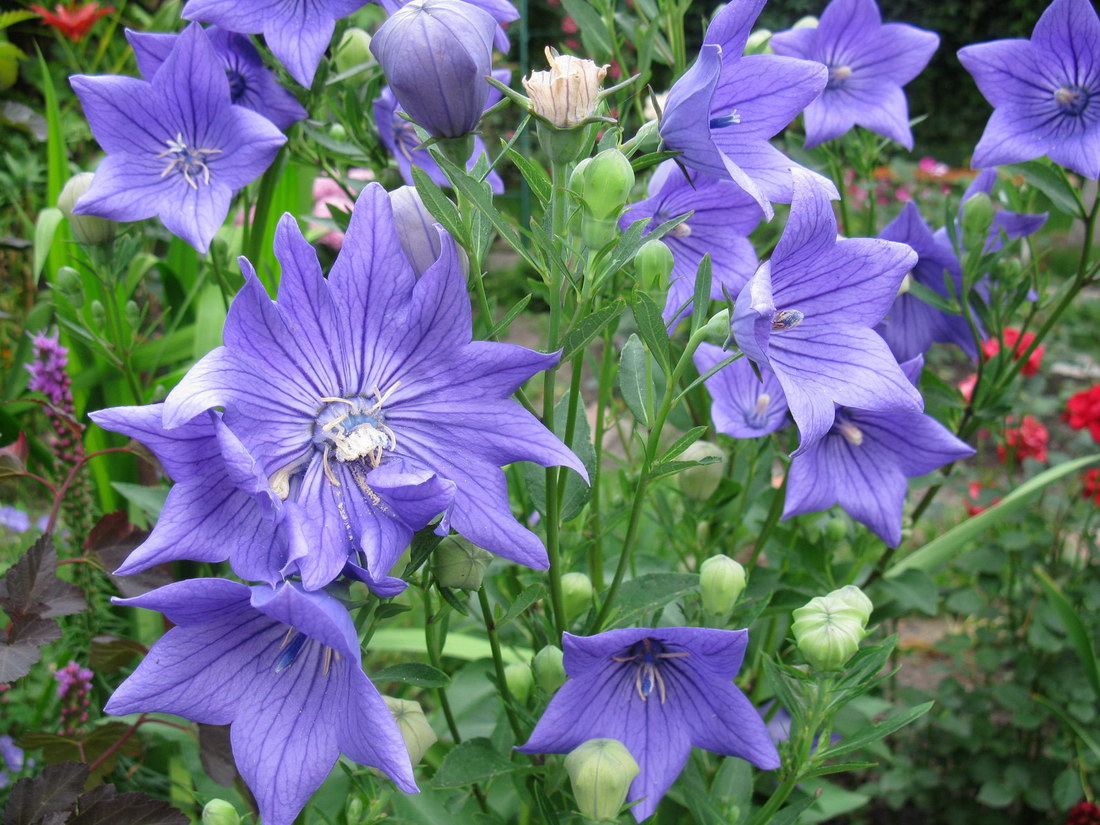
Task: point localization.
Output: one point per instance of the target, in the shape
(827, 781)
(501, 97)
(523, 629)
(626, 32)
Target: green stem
(498, 664)
(607, 365)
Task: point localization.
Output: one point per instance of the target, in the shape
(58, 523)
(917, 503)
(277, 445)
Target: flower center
(757, 418)
(191, 163)
(1072, 100)
(723, 121)
(786, 319)
(852, 434)
(647, 658)
(837, 75)
(237, 84)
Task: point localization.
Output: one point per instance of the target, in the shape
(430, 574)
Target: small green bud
(87, 229)
(653, 264)
(600, 772)
(458, 564)
(576, 593)
(69, 284)
(337, 132)
(548, 668)
(836, 530)
(414, 727)
(977, 218)
(520, 680)
(807, 22)
(718, 327)
(353, 51)
(855, 598)
(646, 139)
(607, 181)
(699, 483)
(721, 583)
(828, 631)
(219, 812)
(98, 313)
(133, 314)
(759, 42)
(160, 392)
(354, 810)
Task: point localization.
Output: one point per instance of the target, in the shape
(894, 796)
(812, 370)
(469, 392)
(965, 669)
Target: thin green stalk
(603, 399)
(498, 663)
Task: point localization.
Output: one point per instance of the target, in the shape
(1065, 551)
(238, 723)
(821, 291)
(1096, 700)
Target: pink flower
(327, 191)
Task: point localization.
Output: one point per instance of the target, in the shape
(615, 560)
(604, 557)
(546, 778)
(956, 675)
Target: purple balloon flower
(742, 405)
(501, 10)
(282, 668)
(724, 218)
(1045, 91)
(864, 463)
(659, 691)
(177, 146)
(401, 141)
(435, 55)
(722, 111)
(250, 83)
(367, 405)
(868, 63)
(808, 316)
(297, 33)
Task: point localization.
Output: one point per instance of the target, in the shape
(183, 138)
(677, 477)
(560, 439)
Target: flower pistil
(648, 654)
(189, 162)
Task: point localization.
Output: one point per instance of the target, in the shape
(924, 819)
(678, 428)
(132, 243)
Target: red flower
(974, 490)
(72, 21)
(1083, 411)
(1091, 482)
(1084, 813)
(966, 386)
(1029, 440)
(1019, 345)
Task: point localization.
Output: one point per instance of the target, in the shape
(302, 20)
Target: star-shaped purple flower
(659, 691)
(742, 405)
(282, 668)
(864, 463)
(808, 315)
(400, 139)
(500, 10)
(297, 33)
(177, 146)
(724, 217)
(868, 63)
(250, 83)
(1045, 91)
(724, 108)
(367, 405)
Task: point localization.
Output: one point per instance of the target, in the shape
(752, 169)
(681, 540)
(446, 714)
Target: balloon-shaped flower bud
(700, 482)
(721, 583)
(576, 594)
(653, 264)
(353, 52)
(836, 530)
(414, 727)
(458, 564)
(600, 772)
(549, 670)
(828, 631)
(87, 229)
(759, 42)
(69, 284)
(219, 812)
(855, 598)
(717, 328)
(808, 22)
(416, 228)
(566, 96)
(436, 55)
(605, 184)
(976, 220)
(520, 680)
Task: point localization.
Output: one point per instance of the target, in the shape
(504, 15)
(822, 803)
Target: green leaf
(669, 468)
(473, 761)
(643, 162)
(534, 174)
(1074, 627)
(413, 673)
(632, 379)
(150, 500)
(1050, 182)
(874, 733)
(45, 227)
(913, 589)
(441, 207)
(10, 18)
(455, 646)
(1079, 732)
(502, 325)
(577, 491)
(933, 298)
(961, 538)
(700, 300)
(683, 442)
(650, 592)
(839, 767)
(590, 25)
(524, 600)
(651, 327)
(582, 333)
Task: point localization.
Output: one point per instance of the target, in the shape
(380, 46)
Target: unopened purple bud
(436, 55)
(416, 228)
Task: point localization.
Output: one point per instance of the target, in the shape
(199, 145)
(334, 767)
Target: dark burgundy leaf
(51, 792)
(217, 755)
(112, 540)
(30, 587)
(110, 654)
(19, 650)
(127, 809)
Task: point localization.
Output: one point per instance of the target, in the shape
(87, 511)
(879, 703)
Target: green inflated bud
(606, 183)
(653, 264)
(721, 583)
(414, 727)
(576, 594)
(700, 482)
(855, 598)
(353, 51)
(458, 564)
(828, 631)
(133, 314)
(600, 772)
(759, 42)
(548, 668)
(976, 220)
(354, 810)
(98, 313)
(87, 229)
(69, 284)
(836, 530)
(717, 328)
(219, 812)
(520, 680)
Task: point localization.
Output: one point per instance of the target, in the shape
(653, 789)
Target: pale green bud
(87, 229)
(600, 772)
(576, 593)
(133, 314)
(607, 181)
(337, 132)
(353, 51)
(721, 583)
(976, 220)
(219, 812)
(759, 42)
(458, 564)
(576, 177)
(653, 263)
(718, 327)
(807, 22)
(836, 530)
(69, 283)
(548, 668)
(414, 727)
(354, 810)
(856, 598)
(828, 631)
(699, 483)
(98, 313)
(520, 680)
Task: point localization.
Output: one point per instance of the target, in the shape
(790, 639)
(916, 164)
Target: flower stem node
(576, 593)
(566, 96)
(219, 812)
(87, 229)
(721, 583)
(414, 727)
(600, 772)
(548, 668)
(653, 264)
(459, 565)
(829, 628)
(520, 680)
(700, 482)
